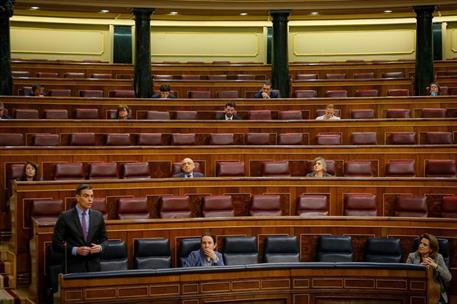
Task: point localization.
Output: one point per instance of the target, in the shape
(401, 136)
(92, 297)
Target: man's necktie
(84, 225)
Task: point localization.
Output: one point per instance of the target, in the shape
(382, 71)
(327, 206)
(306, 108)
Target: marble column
(6, 81)
(424, 48)
(143, 79)
(280, 61)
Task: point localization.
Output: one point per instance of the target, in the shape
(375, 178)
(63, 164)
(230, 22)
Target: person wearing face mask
(329, 113)
(434, 89)
(319, 168)
(206, 255)
(30, 172)
(427, 254)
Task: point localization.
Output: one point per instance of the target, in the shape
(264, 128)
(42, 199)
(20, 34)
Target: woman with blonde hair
(319, 168)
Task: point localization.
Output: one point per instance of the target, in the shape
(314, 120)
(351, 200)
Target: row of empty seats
(217, 139)
(170, 206)
(351, 168)
(355, 75)
(94, 113)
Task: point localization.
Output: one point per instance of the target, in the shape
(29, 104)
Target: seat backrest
(336, 93)
(366, 93)
(183, 139)
(245, 76)
(281, 249)
(217, 77)
(360, 204)
(100, 205)
(275, 168)
(229, 168)
(20, 74)
(438, 138)
(402, 138)
(101, 75)
(199, 94)
(401, 167)
(158, 115)
(358, 168)
(55, 113)
(26, 114)
(290, 115)
(190, 77)
(102, 170)
(11, 139)
(218, 206)
(122, 93)
(186, 246)
(363, 75)
(66, 171)
(335, 75)
(186, 115)
(86, 114)
(433, 113)
(152, 253)
(240, 250)
(364, 138)
(328, 138)
(114, 256)
(362, 113)
(398, 92)
(305, 93)
(59, 92)
(149, 139)
(440, 168)
(290, 139)
(175, 206)
(45, 139)
(117, 139)
(135, 170)
(82, 139)
(260, 115)
(266, 205)
(398, 113)
(449, 206)
(383, 250)
(228, 94)
(411, 206)
(257, 138)
(312, 205)
(334, 249)
(221, 139)
(393, 75)
(47, 210)
(47, 74)
(306, 76)
(74, 75)
(91, 93)
(132, 208)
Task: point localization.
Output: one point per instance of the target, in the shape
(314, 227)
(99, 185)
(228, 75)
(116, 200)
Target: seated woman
(434, 89)
(206, 255)
(30, 172)
(319, 168)
(427, 254)
(122, 112)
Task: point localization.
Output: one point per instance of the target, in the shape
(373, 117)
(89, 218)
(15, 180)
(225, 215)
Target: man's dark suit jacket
(157, 95)
(195, 174)
(222, 117)
(273, 94)
(68, 230)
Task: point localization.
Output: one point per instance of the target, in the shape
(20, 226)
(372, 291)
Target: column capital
(280, 13)
(143, 11)
(7, 8)
(424, 10)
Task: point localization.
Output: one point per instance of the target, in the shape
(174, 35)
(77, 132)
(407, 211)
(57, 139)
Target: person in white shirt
(329, 114)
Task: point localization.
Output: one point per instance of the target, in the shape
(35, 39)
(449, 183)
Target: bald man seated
(187, 169)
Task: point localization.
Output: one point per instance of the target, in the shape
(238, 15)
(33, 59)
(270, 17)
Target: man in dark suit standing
(266, 92)
(187, 169)
(80, 234)
(229, 112)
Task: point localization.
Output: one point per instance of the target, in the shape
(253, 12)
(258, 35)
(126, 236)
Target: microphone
(65, 258)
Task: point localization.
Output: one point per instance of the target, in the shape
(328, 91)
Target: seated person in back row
(266, 92)
(206, 255)
(30, 172)
(165, 92)
(434, 89)
(329, 114)
(122, 112)
(37, 90)
(3, 114)
(229, 112)
(319, 168)
(187, 169)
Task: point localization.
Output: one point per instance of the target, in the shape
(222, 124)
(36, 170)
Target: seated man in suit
(37, 90)
(266, 92)
(187, 169)
(329, 114)
(3, 114)
(229, 112)
(165, 92)
(80, 234)
(206, 255)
